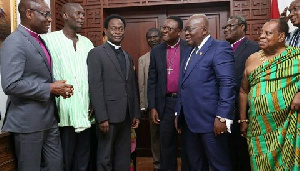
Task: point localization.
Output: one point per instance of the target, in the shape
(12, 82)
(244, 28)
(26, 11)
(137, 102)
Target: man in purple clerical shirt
(163, 75)
(235, 34)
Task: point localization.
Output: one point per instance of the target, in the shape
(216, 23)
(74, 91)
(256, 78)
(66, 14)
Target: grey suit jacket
(112, 93)
(26, 79)
(143, 66)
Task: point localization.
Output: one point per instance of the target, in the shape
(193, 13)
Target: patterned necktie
(191, 57)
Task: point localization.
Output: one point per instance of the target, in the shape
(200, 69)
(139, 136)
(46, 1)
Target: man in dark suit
(27, 79)
(114, 97)
(163, 75)
(235, 31)
(206, 96)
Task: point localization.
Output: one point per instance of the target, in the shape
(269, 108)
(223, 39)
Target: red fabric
(274, 10)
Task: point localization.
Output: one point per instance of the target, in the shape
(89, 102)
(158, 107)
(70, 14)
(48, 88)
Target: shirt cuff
(175, 113)
(228, 123)
(143, 108)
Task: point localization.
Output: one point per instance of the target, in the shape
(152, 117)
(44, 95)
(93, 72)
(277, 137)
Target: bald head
(67, 8)
(196, 29)
(35, 15)
(27, 4)
(200, 18)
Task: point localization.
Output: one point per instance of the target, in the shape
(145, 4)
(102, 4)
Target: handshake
(60, 88)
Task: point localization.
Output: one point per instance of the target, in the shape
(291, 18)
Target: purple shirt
(173, 68)
(38, 39)
(236, 44)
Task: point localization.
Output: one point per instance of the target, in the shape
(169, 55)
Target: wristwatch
(222, 120)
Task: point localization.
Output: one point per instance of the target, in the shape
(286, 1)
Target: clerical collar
(241, 39)
(115, 46)
(32, 33)
(174, 45)
(201, 44)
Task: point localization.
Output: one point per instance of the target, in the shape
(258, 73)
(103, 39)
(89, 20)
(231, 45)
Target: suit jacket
(26, 78)
(157, 76)
(112, 93)
(143, 66)
(207, 87)
(241, 54)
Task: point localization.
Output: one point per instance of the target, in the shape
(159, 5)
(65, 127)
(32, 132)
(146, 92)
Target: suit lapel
(163, 57)
(201, 54)
(112, 56)
(36, 45)
(241, 48)
(127, 64)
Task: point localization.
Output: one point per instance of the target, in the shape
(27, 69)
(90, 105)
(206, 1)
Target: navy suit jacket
(157, 76)
(207, 87)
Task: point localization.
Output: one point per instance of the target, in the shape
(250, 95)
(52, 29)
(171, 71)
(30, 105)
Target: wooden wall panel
(57, 21)
(256, 12)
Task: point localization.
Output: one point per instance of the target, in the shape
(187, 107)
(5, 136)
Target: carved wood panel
(256, 12)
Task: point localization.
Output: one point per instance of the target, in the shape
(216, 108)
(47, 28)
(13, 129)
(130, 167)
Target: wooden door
(140, 19)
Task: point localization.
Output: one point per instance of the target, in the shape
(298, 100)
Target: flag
(274, 10)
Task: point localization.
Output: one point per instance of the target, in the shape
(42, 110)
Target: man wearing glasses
(293, 38)
(27, 79)
(114, 97)
(165, 61)
(235, 32)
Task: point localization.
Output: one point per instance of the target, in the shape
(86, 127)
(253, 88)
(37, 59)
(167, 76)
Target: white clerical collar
(29, 30)
(175, 44)
(115, 46)
(201, 44)
(237, 41)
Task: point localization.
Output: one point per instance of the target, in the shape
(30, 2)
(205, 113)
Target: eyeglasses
(45, 14)
(295, 9)
(120, 29)
(189, 29)
(163, 28)
(229, 26)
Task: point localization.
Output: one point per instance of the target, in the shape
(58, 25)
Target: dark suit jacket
(207, 87)
(157, 76)
(241, 54)
(111, 92)
(26, 78)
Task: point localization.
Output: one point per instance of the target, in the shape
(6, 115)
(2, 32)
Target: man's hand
(243, 129)
(219, 127)
(104, 126)
(295, 105)
(283, 14)
(135, 123)
(154, 116)
(61, 88)
(176, 125)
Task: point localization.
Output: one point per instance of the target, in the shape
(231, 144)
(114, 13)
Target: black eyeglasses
(294, 9)
(189, 29)
(229, 26)
(45, 14)
(163, 28)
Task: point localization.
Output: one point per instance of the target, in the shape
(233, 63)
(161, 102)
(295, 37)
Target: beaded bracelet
(243, 120)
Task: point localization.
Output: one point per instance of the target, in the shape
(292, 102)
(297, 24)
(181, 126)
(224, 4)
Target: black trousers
(114, 147)
(76, 148)
(169, 138)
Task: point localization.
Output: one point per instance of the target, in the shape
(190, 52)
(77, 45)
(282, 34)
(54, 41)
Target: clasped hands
(62, 89)
(104, 125)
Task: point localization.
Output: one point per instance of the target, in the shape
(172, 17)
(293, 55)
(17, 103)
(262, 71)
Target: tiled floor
(146, 164)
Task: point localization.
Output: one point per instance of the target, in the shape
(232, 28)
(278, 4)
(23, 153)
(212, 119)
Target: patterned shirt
(70, 65)
(293, 38)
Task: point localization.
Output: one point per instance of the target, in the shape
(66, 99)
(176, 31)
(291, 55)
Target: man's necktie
(192, 56)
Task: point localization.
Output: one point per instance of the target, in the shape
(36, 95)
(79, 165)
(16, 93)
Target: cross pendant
(169, 70)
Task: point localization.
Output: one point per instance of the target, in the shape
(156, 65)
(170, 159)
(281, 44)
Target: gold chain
(262, 56)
